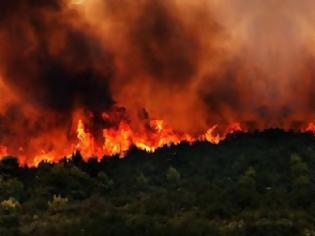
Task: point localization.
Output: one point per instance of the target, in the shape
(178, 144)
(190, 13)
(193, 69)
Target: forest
(251, 184)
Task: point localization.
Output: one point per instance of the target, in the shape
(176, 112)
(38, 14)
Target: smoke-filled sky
(191, 63)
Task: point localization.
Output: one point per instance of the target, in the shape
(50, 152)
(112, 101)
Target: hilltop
(250, 184)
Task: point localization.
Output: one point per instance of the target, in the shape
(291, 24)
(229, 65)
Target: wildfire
(149, 74)
(86, 143)
(118, 140)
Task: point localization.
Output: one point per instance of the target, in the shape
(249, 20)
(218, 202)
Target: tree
(57, 204)
(9, 166)
(248, 179)
(247, 188)
(142, 181)
(300, 181)
(66, 180)
(11, 188)
(298, 167)
(104, 183)
(10, 205)
(9, 216)
(173, 176)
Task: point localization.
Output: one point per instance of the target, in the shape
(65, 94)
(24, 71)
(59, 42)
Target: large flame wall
(102, 75)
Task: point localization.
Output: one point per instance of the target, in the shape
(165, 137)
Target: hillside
(250, 184)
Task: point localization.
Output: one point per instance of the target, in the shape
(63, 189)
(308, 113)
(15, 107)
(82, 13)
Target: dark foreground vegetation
(251, 184)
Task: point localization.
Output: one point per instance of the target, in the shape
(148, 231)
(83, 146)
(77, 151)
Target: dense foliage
(251, 184)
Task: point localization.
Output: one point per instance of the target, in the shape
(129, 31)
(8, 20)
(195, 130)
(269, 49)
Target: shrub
(172, 175)
(57, 204)
(10, 205)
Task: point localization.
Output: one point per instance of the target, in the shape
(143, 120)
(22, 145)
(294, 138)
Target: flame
(118, 140)
(149, 74)
(86, 144)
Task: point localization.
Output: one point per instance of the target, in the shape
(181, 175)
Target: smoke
(200, 63)
(193, 64)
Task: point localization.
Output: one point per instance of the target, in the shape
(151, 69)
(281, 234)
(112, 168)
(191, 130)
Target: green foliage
(57, 204)
(247, 194)
(172, 175)
(104, 183)
(142, 181)
(300, 182)
(11, 188)
(298, 167)
(9, 216)
(67, 181)
(256, 184)
(248, 179)
(10, 205)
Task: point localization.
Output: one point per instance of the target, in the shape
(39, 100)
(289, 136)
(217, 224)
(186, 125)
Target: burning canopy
(102, 75)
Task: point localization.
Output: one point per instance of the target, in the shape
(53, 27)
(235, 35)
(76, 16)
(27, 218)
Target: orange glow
(3, 151)
(103, 76)
(118, 140)
(86, 144)
(310, 128)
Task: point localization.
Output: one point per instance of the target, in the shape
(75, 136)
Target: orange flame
(118, 140)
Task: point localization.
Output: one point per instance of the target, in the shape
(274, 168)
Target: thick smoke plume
(192, 64)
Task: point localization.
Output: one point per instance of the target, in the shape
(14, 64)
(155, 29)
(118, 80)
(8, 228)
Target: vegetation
(251, 184)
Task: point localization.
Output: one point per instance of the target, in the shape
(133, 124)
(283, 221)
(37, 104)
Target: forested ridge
(250, 184)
